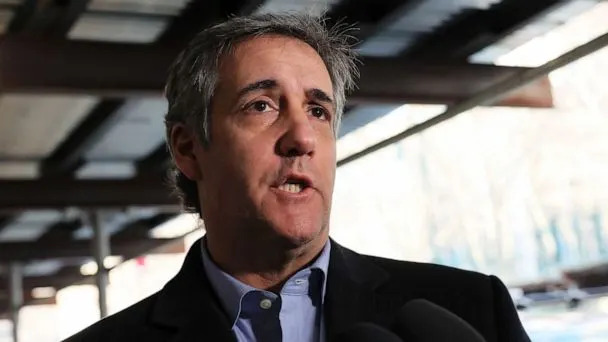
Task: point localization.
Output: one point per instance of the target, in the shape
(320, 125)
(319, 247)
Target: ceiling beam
(199, 14)
(5, 220)
(46, 18)
(473, 30)
(140, 228)
(82, 67)
(133, 70)
(69, 155)
(60, 231)
(155, 163)
(127, 248)
(370, 17)
(22, 15)
(62, 193)
(398, 80)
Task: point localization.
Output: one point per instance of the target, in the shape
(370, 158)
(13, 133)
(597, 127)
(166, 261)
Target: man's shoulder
(426, 275)
(126, 325)
(442, 284)
(424, 271)
(470, 295)
(481, 300)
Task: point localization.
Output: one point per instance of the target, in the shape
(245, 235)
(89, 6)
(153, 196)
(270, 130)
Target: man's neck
(262, 264)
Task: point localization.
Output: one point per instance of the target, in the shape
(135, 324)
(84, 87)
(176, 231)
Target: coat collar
(352, 296)
(188, 303)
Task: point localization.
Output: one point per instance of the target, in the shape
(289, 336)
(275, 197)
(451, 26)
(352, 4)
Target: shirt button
(265, 304)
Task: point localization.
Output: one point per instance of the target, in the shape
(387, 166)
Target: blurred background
(512, 180)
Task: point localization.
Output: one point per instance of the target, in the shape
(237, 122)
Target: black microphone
(422, 321)
(366, 332)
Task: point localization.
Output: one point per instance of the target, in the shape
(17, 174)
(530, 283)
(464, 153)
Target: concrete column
(101, 249)
(16, 296)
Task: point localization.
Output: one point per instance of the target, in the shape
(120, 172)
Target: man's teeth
(295, 188)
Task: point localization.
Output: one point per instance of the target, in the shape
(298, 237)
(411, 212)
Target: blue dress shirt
(295, 315)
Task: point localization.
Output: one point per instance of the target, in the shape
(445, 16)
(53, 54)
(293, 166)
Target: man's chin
(299, 235)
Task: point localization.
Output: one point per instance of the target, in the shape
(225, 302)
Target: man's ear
(183, 144)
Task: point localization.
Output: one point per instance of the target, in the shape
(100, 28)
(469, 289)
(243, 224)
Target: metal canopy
(63, 193)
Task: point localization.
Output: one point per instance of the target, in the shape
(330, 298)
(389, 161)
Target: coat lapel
(351, 292)
(188, 304)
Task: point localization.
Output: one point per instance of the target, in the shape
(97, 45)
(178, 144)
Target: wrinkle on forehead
(250, 62)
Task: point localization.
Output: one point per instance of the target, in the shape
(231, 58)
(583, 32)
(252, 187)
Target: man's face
(270, 166)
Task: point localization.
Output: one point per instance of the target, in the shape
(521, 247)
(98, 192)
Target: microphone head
(366, 332)
(422, 321)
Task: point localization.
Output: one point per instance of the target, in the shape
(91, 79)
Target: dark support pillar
(101, 249)
(16, 295)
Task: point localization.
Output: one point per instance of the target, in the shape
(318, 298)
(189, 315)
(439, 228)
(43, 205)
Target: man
(254, 108)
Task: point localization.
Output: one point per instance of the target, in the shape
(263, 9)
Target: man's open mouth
(294, 185)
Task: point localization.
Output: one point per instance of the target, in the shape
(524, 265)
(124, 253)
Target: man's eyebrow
(263, 84)
(319, 95)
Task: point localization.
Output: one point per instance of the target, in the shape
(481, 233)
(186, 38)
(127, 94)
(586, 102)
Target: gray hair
(194, 75)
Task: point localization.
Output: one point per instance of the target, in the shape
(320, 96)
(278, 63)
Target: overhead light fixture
(43, 292)
(112, 261)
(90, 268)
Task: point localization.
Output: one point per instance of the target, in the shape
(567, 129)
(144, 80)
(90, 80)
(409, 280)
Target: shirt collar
(231, 291)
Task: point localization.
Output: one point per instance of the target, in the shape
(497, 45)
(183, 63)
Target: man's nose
(299, 137)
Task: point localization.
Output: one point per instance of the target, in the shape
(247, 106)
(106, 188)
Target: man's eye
(319, 112)
(260, 106)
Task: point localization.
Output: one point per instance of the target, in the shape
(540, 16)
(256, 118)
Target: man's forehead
(270, 56)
